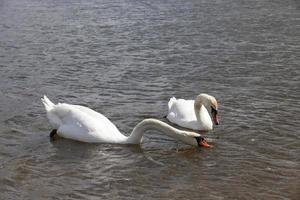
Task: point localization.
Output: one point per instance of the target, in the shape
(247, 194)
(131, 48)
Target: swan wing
(181, 110)
(90, 112)
(182, 113)
(104, 123)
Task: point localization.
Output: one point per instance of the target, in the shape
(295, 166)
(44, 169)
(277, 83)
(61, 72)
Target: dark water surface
(125, 59)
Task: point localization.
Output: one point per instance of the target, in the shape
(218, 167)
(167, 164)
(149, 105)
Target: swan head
(202, 142)
(211, 105)
(192, 138)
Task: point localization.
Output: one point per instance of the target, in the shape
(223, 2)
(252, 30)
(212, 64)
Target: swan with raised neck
(198, 114)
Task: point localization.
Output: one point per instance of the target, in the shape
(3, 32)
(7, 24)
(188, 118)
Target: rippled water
(125, 59)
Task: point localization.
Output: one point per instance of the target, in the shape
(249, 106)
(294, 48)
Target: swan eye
(214, 111)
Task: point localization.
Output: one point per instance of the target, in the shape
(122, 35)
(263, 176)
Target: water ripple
(125, 59)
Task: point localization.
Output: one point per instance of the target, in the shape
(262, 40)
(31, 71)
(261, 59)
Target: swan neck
(202, 114)
(197, 106)
(151, 124)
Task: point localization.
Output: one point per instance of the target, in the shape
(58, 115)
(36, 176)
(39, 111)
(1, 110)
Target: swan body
(86, 125)
(193, 114)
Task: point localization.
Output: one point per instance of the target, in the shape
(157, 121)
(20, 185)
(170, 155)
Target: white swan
(193, 114)
(83, 124)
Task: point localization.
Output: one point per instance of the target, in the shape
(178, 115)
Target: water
(125, 59)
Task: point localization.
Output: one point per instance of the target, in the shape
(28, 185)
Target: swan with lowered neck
(193, 114)
(86, 125)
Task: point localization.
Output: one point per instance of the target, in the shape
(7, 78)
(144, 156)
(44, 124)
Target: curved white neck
(154, 124)
(203, 117)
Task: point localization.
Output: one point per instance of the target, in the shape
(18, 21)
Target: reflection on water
(125, 59)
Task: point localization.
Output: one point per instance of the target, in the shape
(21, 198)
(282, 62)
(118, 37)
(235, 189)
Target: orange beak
(204, 143)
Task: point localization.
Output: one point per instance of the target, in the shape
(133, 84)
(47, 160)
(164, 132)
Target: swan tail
(52, 114)
(47, 103)
(171, 102)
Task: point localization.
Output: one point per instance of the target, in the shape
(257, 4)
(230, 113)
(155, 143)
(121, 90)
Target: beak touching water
(202, 142)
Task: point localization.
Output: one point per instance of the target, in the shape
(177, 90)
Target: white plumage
(84, 124)
(184, 112)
